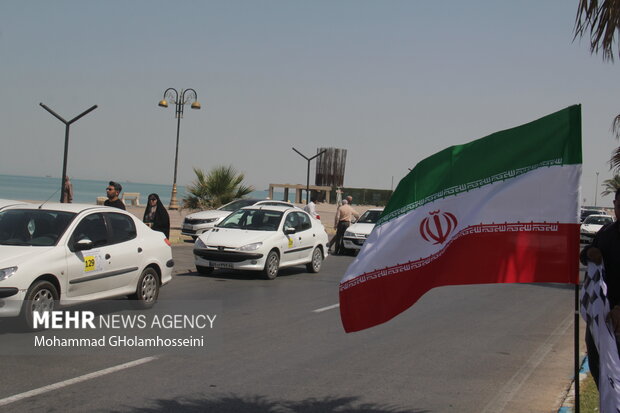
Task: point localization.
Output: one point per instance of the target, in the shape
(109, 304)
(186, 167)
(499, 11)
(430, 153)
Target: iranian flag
(500, 209)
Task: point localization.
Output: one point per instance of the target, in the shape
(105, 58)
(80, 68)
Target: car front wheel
(314, 266)
(147, 290)
(272, 265)
(42, 296)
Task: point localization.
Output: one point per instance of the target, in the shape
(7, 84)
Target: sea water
(35, 188)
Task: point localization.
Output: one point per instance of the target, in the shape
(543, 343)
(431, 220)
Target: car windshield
(253, 219)
(593, 220)
(238, 204)
(369, 217)
(586, 213)
(33, 227)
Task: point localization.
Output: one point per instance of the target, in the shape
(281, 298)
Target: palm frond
(219, 186)
(611, 185)
(602, 19)
(615, 126)
(614, 162)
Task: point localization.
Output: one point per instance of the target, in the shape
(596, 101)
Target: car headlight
(251, 247)
(349, 234)
(206, 221)
(7, 272)
(199, 243)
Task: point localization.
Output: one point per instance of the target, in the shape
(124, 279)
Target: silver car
(356, 234)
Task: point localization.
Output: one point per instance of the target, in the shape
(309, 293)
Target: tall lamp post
(596, 190)
(180, 100)
(67, 126)
(308, 174)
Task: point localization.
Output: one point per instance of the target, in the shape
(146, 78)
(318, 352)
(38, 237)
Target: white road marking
(79, 379)
(320, 310)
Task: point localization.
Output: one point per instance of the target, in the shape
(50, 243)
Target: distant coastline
(38, 188)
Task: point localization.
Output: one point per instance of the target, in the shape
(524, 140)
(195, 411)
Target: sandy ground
(327, 212)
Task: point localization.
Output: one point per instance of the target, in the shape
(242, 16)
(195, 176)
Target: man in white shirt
(311, 207)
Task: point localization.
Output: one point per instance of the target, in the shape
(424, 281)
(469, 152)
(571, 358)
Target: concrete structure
(298, 191)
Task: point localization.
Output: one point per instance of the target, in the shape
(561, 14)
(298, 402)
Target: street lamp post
(67, 125)
(308, 174)
(596, 190)
(180, 100)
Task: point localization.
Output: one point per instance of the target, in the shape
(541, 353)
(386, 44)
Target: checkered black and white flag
(594, 310)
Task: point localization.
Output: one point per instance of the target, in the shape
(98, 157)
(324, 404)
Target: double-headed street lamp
(67, 126)
(308, 174)
(180, 100)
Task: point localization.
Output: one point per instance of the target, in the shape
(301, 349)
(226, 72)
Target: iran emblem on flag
(500, 209)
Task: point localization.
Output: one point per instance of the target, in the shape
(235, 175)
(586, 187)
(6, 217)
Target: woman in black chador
(156, 216)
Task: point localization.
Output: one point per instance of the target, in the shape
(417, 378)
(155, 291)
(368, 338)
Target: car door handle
(107, 256)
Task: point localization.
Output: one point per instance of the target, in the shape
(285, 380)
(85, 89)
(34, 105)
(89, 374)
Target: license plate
(221, 265)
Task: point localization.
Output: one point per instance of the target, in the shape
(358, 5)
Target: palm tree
(611, 185)
(602, 19)
(221, 185)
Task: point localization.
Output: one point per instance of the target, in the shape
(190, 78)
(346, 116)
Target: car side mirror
(83, 245)
(289, 230)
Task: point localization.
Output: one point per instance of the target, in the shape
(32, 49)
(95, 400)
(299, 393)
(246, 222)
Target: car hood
(361, 228)
(11, 255)
(214, 213)
(591, 227)
(234, 238)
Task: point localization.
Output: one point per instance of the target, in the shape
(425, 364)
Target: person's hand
(594, 255)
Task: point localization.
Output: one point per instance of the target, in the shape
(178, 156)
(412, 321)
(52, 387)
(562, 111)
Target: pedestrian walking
(342, 220)
(112, 192)
(67, 193)
(156, 216)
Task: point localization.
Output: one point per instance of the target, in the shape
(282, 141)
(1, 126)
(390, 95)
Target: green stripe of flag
(552, 140)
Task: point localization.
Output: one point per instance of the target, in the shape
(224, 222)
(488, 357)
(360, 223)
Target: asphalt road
(281, 348)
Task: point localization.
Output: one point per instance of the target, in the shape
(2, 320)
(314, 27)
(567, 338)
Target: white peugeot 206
(57, 254)
(263, 238)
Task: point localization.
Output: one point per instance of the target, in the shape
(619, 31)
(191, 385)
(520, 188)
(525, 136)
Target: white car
(591, 225)
(263, 238)
(357, 233)
(200, 222)
(5, 203)
(61, 254)
(587, 211)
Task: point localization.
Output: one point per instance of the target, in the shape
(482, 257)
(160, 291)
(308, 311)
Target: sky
(390, 81)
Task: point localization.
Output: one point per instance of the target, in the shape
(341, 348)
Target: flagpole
(576, 372)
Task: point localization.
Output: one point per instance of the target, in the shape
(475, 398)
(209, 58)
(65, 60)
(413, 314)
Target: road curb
(569, 398)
